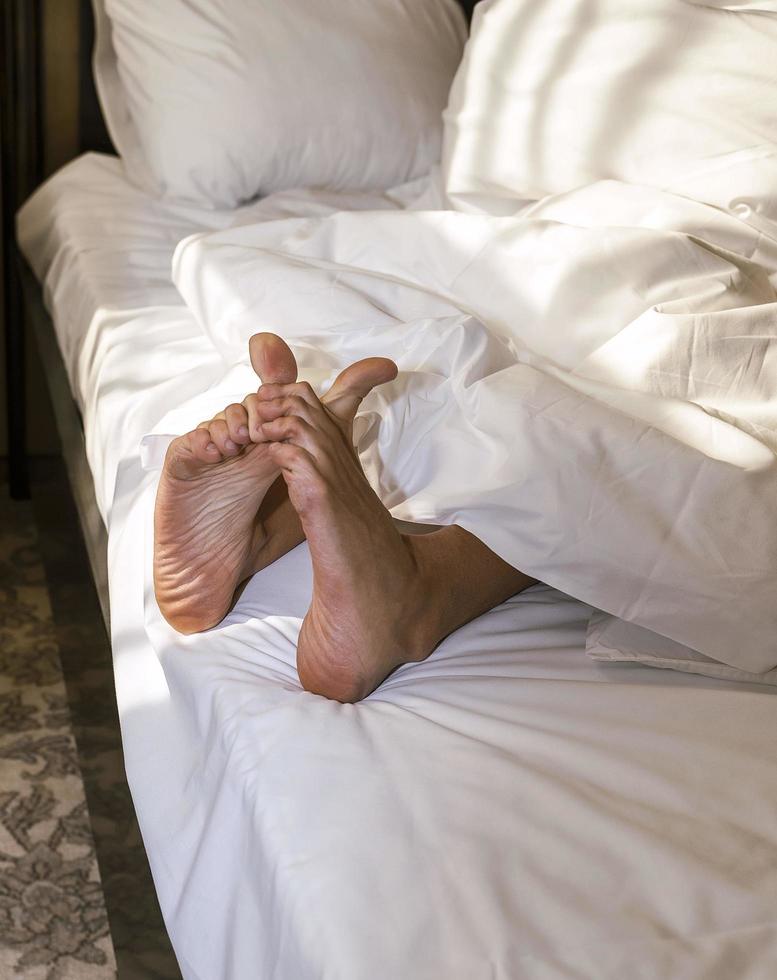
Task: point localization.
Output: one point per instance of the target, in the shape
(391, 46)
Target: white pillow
(672, 94)
(613, 640)
(216, 101)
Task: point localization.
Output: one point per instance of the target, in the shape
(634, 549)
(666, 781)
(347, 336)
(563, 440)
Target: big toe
(356, 382)
(272, 359)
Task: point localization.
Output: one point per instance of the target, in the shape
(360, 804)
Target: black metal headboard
(92, 133)
(21, 165)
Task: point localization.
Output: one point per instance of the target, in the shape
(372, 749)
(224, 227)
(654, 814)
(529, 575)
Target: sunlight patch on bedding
(696, 428)
(140, 680)
(137, 692)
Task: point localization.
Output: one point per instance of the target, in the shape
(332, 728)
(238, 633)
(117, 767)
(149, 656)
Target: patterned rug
(53, 919)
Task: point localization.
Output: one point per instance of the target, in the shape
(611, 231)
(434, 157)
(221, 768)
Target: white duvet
(588, 386)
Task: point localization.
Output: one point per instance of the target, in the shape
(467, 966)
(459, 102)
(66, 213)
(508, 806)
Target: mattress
(506, 809)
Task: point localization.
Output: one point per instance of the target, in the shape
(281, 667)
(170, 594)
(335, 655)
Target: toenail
(228, 444)
(243, 430)
(212, 447)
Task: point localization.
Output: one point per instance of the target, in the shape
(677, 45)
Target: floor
(76, 897)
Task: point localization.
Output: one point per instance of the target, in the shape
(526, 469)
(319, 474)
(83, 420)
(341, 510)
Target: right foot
(222, 511)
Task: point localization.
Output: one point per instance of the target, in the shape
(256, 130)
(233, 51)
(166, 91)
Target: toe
(219, 434)
(272, 359)
(252, 405)
(355, 383)
(188, 453)
(236, 418)
(306, 485)
(203, 447)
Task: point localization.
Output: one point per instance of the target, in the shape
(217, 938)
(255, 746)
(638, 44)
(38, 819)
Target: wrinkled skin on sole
(222, 511)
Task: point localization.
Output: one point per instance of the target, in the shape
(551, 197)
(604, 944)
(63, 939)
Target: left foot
(370, 610)
(207, 534)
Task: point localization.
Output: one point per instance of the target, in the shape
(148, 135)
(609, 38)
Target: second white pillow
(667, 93)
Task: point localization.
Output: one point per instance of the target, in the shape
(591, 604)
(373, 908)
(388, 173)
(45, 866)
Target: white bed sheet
(103, 251)
(507, 809)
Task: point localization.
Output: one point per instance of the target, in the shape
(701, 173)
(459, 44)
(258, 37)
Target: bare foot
(222, 512)
(214, 479)
(370, 607)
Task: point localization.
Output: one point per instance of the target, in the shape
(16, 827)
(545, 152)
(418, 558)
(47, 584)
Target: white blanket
(588, 387)
(508, 808)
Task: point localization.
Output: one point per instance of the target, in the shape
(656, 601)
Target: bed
(509, 808)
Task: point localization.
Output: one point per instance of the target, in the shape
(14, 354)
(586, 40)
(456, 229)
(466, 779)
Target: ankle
(277, 530)
(256, 557)
(431, 619)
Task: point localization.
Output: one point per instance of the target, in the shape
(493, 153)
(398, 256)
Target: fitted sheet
(506, 809)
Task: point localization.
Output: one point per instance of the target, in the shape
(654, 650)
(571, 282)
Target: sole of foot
(207, 530)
